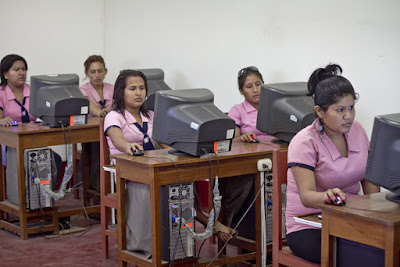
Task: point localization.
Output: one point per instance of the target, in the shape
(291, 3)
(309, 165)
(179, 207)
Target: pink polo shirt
(130, 132)
(11, 108)
(245, 117)
(330, 168)
(91, 93)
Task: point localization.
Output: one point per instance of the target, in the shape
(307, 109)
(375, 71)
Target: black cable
(237, 225)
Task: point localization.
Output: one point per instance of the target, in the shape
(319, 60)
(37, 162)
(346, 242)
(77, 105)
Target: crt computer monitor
(383, 165)
(284, 109)
(188, 121)
(57, 100)
(155, 83)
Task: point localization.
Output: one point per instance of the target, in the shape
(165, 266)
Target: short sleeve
(234, 113)
(113, 119)
(302, 151)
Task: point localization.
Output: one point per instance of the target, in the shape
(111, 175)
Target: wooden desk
(157, 172)
(378, 229)
(35, 135)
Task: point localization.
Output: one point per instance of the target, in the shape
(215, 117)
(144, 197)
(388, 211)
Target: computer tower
(174, 204)
(38, 165)
(36, 161)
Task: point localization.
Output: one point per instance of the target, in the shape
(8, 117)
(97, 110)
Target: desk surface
(372, 207)
(369, 219)
(161, 158)
(25, 134)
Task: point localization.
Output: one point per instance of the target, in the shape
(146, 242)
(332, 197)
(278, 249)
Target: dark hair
(119, 88)
(328, 87)
(6, 64)
(245, 72)
(91, 59)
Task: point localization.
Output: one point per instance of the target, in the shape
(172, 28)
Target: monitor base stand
(393, 197)
(279, 142)
(176, 152)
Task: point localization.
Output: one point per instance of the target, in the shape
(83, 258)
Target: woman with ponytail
(327, 161)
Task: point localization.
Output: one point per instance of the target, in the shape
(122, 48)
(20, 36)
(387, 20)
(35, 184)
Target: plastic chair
(108, 199)
(281, 254)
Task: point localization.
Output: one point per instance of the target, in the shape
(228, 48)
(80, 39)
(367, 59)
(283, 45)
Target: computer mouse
(14, 123)
(137, 152)
(254, 139)
(338, 201)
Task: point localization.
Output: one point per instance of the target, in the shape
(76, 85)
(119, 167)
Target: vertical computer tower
(171, 208)
(38, 165)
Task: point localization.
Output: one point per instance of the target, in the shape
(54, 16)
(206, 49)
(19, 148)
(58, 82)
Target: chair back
(281, 254)
(104, 160)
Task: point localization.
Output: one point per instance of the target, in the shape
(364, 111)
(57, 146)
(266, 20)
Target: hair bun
(321, 74)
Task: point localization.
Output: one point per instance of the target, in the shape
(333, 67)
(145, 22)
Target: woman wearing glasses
(245, 113)
(239, 191)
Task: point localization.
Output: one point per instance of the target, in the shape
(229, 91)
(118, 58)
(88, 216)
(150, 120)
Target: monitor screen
(188, 121)
(284, 109)
(57, 100)
(383, 166)
(155, 83)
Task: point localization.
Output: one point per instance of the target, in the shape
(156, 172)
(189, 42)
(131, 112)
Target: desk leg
(392, 247)
(2, 184)
(121, 215)
(21, 193)
(326, 242)
(85, 173)
(258, 220)
(155, 221)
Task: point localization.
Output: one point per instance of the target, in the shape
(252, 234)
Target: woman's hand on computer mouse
(334, 195)
(132, 147)
(7, 121)
(249, 137)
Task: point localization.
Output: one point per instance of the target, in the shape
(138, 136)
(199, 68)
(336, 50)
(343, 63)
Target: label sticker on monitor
(222, 146)
(230, 133)
(194, 126)
(293, 118)
(77, 120)
(84, 110)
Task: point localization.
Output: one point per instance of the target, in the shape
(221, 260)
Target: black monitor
(155, 83)
(284, 109)
(383, 166)
(188, 121)
(57, 100)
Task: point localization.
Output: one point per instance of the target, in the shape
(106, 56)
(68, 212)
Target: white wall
(53, 36)
(205, 43)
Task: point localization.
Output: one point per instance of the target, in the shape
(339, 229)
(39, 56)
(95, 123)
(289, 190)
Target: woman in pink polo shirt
(239, 191)
(14, 92)
(100, 96)
(245, 113)
(96, 90)
(14, 106)
(129, 127)
(327, 160)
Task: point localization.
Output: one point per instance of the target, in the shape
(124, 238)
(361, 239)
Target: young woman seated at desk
(327, 159)
(129, 128)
